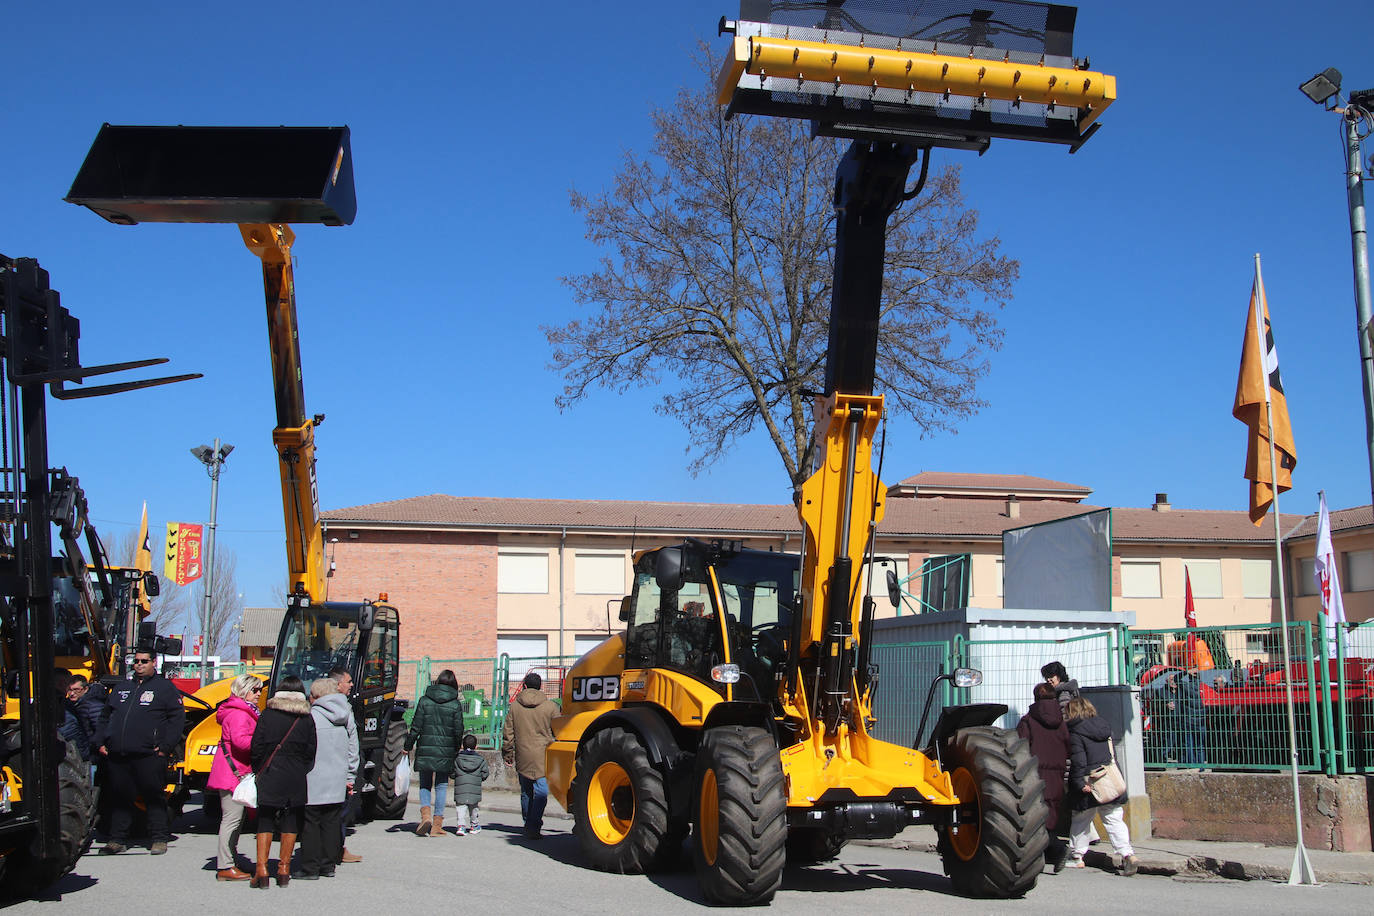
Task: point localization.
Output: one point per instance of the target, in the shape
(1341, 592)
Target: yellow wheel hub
(610, 803)
(708, 818)
(965, 838)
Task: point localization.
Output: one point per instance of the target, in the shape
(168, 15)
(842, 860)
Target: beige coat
(527, 732)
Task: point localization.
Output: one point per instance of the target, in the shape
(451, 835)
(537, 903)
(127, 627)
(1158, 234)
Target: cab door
(379, 665)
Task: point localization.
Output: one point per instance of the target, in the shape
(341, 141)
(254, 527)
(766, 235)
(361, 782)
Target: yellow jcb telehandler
(737, 706)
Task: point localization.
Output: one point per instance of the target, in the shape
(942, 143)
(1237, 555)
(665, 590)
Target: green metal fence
(906, 671)
(1353, 676)
(1215, 697)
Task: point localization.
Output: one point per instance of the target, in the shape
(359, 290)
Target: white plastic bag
(403, 777)
(246, 792)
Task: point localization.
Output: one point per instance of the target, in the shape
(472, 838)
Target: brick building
(474, 576)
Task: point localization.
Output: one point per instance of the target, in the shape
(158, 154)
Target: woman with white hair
(237, 717)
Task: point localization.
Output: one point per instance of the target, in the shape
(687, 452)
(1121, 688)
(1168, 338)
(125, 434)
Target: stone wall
(1258, 808)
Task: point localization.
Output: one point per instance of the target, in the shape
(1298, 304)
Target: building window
(1257, 578)
(526, 653)
(1307, 577)
(522, 573)
(1359, 571)
(1140, 579)
(1001, 576)
(583, 643)
(599, 573)
(1205, 576)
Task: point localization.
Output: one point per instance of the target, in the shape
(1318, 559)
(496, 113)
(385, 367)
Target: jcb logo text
(585, 689)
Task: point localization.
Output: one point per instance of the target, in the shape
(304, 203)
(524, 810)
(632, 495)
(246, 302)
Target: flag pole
(1301, 872)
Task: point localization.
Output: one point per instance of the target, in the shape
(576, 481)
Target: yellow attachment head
(952, 76)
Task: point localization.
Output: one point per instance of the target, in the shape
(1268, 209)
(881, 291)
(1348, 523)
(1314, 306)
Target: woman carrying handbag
(1092, 760)
(283, 753)
(237, 717)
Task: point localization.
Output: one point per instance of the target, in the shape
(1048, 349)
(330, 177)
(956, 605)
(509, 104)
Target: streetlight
(213, 459)
(1324, 89)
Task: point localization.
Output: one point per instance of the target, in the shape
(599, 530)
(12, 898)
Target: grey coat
(471, 771)
(336, 753)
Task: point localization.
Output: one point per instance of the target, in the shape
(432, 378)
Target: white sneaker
(475, 830)
(1074, 862)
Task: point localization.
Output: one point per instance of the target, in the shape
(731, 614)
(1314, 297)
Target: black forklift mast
(39, 348)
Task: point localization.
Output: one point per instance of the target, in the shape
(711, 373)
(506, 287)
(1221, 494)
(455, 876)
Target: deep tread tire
(26, 871)
(1011, 839)
(740, 766)
(809, 846)
(650, 841)
(387, 804)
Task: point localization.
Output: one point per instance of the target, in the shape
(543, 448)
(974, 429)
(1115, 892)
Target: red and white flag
(1189, 612)
(1329, 582)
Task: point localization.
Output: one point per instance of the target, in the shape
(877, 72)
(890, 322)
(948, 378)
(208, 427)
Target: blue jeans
(534, 795)
(1194, 745)
(427, 779)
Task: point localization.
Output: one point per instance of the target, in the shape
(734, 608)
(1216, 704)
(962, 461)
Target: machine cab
(363, 638)
(703, 604)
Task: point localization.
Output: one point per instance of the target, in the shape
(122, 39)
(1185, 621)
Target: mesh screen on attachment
(1007, 25)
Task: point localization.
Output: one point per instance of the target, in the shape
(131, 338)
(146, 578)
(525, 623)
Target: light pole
(1358, 115)
(213, 459)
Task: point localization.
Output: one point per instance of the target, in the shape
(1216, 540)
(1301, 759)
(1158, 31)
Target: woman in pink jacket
(237, 717)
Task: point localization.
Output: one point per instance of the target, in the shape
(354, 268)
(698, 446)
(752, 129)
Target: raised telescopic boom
(898, 82)
(260, 178)
(294, 435)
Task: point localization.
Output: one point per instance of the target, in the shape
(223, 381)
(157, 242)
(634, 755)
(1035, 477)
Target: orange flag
(1260, 400)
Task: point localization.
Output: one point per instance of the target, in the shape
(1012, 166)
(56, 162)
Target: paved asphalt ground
(499, 870)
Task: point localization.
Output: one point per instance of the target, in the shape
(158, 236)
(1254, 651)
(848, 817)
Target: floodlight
(1322, 86)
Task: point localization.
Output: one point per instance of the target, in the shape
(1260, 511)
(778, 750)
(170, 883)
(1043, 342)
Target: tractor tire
(1000, 851)
(620, 806)
(740, 814)
(26, 870)
(810, 846)
(387, 805)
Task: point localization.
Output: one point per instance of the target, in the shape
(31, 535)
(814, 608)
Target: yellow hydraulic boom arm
(294, 435)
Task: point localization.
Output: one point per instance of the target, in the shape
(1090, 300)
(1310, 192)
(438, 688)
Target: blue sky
(420, 322)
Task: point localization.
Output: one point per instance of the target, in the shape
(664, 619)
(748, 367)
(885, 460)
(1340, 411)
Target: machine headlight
(725, 674)
(967, 677)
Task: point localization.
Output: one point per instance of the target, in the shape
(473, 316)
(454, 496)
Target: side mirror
(367, 615)
(894, 591)
(668, 569)
(152, 586)
(627, 611)
(167, 645)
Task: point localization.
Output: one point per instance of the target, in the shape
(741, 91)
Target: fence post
(1328, 708)
(1306, 632)
(1342, 710)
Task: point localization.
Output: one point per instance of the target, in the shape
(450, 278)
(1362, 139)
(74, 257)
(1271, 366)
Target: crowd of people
(1073, 745)
(301, 751)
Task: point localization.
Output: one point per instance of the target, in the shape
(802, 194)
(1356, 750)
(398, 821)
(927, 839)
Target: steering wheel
(768, 639)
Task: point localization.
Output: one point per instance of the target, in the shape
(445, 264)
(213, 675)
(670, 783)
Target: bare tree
(226, 604)
(719, 277)
(169, 608)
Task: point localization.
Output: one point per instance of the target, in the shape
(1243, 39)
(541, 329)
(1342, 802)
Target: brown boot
(426, 823)
(260, 878)
(349, 856)
(288, 846)
(438, 830)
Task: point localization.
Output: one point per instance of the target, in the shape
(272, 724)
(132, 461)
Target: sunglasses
(143, 661)
(255, 690)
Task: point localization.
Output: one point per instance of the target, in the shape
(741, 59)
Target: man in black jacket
(140, 732)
